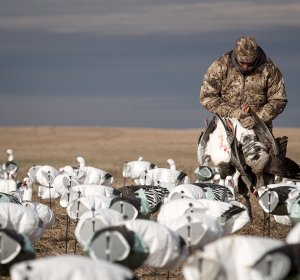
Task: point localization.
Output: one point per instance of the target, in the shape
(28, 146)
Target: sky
(132, 63)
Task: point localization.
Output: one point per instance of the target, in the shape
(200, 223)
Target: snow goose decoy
(93, 175)
(279, 263)
(186, 191)
(44, 212)
(64, 181)
(31, 173)
(118, 244)
(135, 170)
(15, 248)
(232, 216)
(69, 267)
(22, 219)
(197, 229)
(78, 191)
(294, 234)
(166, 177)
(95, 220)
(10, 166)
(278, 200)
(45, 176)
(166, 248)
(81, 205)
(230, 257)
(153, 195)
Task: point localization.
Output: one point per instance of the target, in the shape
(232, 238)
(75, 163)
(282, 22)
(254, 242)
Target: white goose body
(135, 170)
(45, 176)
(93, 175)
(165, 177)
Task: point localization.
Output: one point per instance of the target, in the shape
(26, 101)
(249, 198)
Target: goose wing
(204, 138)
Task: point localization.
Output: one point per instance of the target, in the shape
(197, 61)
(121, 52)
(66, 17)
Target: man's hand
(245, 107)
(248, 122)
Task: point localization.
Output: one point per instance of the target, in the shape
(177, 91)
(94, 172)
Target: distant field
(109, 149)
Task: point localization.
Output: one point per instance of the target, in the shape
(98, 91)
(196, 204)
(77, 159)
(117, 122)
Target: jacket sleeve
(211, 88)
(276, 95)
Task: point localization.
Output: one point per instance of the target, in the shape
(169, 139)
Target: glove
(248, 122)
(239, 114)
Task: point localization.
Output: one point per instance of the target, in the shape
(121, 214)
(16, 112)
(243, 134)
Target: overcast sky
(132, 63)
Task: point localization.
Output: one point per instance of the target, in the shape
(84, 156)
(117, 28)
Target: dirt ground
(109, 149)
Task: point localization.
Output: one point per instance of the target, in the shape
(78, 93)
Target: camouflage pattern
(225, 88)
(246, 49)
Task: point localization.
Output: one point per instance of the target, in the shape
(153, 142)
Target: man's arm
(276, 95)
(210, 92)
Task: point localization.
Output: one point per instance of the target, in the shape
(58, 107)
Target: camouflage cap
(246, 49)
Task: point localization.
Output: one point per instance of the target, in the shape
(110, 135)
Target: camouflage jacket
(225, 88)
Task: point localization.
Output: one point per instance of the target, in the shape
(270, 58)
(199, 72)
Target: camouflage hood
(260, 59)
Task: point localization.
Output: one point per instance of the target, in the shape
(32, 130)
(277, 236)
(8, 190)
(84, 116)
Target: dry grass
(108, 149)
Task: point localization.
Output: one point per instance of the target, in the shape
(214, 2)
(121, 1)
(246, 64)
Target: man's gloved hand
(248, 122)
(239, 114)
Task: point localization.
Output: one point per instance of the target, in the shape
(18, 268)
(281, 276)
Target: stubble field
(109, 149)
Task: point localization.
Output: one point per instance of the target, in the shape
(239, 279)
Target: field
(109, 149)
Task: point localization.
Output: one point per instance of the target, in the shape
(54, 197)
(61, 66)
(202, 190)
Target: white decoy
(216, 192)
(278, 199)
(94, 220)
(70, 267)
(231, 185)
(294, 234)
(171, 163)
(8, 186)
(153, 196)
(25, 190)
(279, 263)
(197, 229)
(78, 191)
(119, 245)
(64, 181)
(15, 247)
(186, 191)
(232, 216)
(208, 174)
(80, 206)
(10, 154)
(166, 177)
(67, 169)
(5, 197)
(81, 162)
(22, 219)
(93, 175)
(45, 176)
(230, 257)
(166, 249)
(32, 173)
(44, 212)
(135, 170)
(10, 167)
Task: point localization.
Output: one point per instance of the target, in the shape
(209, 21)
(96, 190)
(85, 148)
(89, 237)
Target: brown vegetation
(108, 149)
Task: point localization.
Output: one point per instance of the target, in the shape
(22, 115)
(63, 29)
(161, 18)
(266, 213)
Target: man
(244, 78)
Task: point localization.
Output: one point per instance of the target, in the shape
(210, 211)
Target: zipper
(242, 90)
